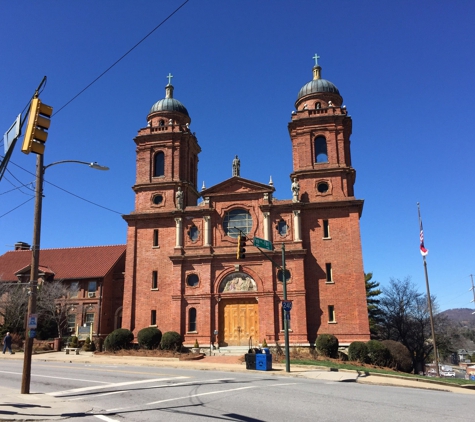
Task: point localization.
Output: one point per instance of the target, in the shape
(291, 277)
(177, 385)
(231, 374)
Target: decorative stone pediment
(237, 185)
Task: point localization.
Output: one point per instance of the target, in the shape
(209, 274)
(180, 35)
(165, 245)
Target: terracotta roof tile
(81, 262)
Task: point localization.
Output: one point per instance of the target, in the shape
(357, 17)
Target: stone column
(207, 234)
(178, 236)
(266, 225)
(297, 226)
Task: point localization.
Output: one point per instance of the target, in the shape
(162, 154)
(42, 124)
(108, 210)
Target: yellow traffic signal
(38, 123)
(241, 247)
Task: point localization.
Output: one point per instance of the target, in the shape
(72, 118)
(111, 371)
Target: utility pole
(35, 259)
(286, 313)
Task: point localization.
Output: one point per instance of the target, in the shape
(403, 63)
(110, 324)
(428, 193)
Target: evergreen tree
(374, 312)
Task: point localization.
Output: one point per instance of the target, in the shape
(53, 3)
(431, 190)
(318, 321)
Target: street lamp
(35, 259)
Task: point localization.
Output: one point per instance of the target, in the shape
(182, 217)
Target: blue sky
(404, 69)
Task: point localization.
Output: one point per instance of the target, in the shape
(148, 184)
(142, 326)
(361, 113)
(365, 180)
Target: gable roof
(65, 263)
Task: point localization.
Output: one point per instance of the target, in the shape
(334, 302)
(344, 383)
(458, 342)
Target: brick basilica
(182, 273)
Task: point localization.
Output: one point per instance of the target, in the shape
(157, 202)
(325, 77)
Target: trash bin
(57, 345)
(472, 377)
(250, 359)
(264, 362)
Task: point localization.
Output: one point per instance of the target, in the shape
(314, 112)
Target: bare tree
(54, 304)
(405, 318)
(13, 306)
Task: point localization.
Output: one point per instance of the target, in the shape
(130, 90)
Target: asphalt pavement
(37, 406)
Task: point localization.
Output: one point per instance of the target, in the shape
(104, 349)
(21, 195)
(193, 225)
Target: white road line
(49, 376)
(105, 418)
(119, 409)
(177, 384)
(279, 385)
(117, 384)
(202, 394)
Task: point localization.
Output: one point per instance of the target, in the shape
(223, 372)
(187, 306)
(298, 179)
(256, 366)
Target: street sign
(11, 134)
(32, 321)
(32, 333)
(263, 244)
(287, 305)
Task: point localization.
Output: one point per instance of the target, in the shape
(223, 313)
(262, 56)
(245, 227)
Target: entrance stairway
(231, 351)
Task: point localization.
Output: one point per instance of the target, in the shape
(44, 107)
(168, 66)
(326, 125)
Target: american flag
(424, 251)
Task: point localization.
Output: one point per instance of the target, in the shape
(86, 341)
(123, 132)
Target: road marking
(279, 385)
(58, 378)
(105, 418)
(119, 409)
(112, 385)
(177, 384)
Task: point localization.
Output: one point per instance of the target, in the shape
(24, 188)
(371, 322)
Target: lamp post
(35, 259)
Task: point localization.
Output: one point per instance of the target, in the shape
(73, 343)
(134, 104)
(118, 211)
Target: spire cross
(170, 76)
(316, 57)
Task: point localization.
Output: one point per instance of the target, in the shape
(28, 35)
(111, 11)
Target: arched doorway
(238, 311)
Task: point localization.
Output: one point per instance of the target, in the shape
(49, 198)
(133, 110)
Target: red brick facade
(182, 272)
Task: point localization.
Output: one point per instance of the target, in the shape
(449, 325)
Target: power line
(117, 61)
(8, 212)
(16, 187)
(73, 194)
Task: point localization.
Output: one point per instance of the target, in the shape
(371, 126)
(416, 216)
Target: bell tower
(320, 133)
(167, 158)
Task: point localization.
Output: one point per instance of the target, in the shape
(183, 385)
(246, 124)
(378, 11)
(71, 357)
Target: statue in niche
(295, 190)
(236, 166)
(238, 282)
(179, 198)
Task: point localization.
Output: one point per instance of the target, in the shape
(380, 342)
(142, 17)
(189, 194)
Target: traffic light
(38, 123)
(241, 247)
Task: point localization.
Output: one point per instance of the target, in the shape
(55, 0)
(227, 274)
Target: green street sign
(263, 244)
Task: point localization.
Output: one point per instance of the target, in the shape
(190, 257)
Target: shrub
(327, 345)
(401, 359)
(358, 351)
(264, 343)
(73, 341)
(118, 339)
(378, 353)
(88, 345)
(149, 338)
(171, 340)
(196, 345)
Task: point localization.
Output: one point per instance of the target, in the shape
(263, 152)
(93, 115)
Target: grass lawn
(355, 367)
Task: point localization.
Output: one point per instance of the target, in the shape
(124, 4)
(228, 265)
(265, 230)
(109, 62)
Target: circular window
(192, 280)
(322, 187)
(280, 273)
(237, 221)
(157, 199)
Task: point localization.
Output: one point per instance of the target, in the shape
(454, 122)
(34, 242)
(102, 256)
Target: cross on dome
(170, 76)
(316, 57)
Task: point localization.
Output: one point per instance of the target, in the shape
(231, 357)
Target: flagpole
(429, 299)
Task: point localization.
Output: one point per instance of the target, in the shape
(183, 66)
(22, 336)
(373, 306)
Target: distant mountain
(462, 316)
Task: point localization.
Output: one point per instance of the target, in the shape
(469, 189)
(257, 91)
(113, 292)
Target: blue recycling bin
(263, 362)
(472, 377)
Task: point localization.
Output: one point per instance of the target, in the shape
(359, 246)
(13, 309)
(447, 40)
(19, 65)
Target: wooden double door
(238, 322)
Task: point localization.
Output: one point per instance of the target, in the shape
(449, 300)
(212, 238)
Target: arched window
(321, 150)
(192, 319)
(159, 164)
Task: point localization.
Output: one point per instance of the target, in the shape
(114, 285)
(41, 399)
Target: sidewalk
(37, 406)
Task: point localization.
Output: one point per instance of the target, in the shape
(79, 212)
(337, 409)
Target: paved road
(137, 393)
